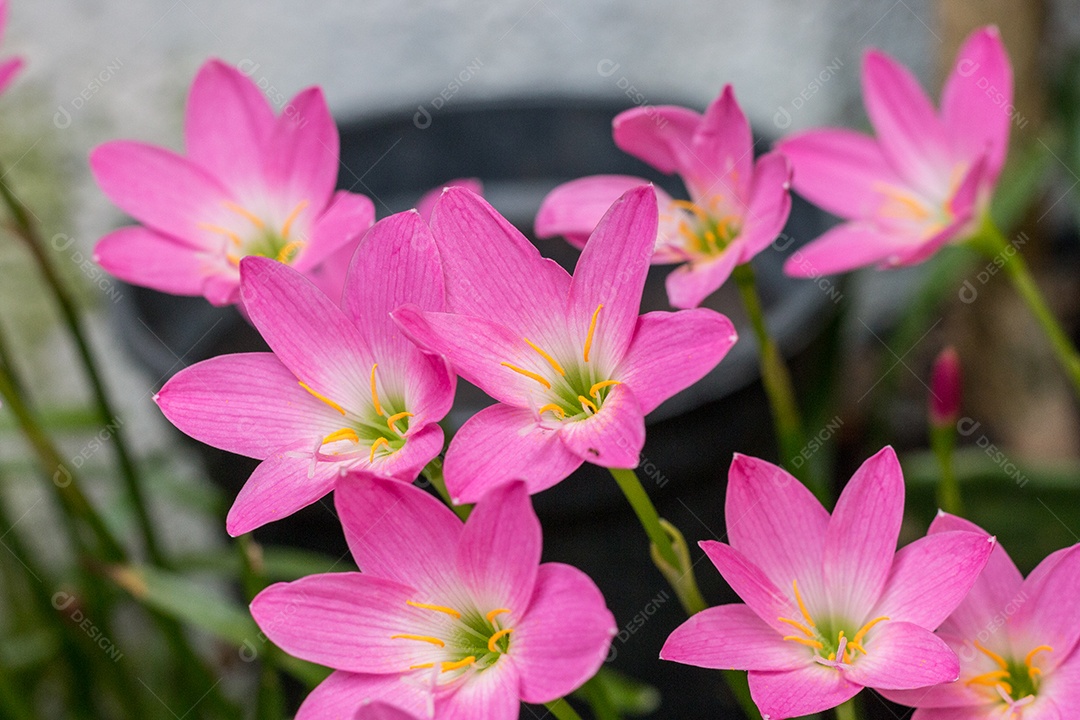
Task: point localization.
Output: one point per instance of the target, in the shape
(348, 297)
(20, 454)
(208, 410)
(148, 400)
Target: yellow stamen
(422, 666)
(322, 397)
(697, 212)
(496, 637)
(422, 638)
(395, 417)
(817, 644)
(992, 655)
(529, 374)
(798, 626)
(495, 613)
(856, 642)
(223, 231)
(989, 679)
(285, 254)
(244, 212)
(597, 387)
(379, 442)
(437, 608)
(448, 666)
(342, 434)
(553, 408)
(375, 393)
(552, 361)
(233, 259)
(905, 205)
(292, 217)
(587, 404)
(592, 330)
(1031, 655)
(802, 606)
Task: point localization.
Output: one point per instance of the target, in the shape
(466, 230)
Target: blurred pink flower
(9, 68)
(946, 388)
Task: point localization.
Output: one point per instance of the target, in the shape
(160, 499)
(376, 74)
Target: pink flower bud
(945, 388)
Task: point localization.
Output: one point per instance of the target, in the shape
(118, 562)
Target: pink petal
(427, 201)
(227, 124)
(692, 283)
(279, 487)
(9, 70)
(526, 450)
(574, 209)
(565, 635)
(778, 526)
(1047, 616)
(977, 98)
(382, 711)
(793, 693)
(1064, 684)
(611, 438)
(769, 205)
(861, 540)
(847, 247)
(979, 712)
(342, 620)
(147, 258)
(732, 637)
(490, 695)
(752, 585)
(342, 693)
(302, 161)
(423, 442)
(841, 171)
(335, 235)
(901, 655)
(247, 403)
(157, 187)
(399, 532)
(660, 135)
(672, 351)
(931, 576)
(723, 152)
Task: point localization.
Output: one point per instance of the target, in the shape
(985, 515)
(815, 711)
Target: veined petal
(692, 283)
(337, 229)
(503, 443)
(751, 584)
(574, 208)
(847, 247)
(339, 696)
(793, 693)
(144, 257)
(565, 635)
(279, 487)
(382, 711)
(302, 161)
(769, 204)
(861, 540)
(732, 637)
(1046, 613)
(491, 695)
(612, 437)
(427, 201)
(672, 351)
(901, 655)
(723, 152)
(660, 135)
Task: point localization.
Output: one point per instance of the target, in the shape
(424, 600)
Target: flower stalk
(562, 710)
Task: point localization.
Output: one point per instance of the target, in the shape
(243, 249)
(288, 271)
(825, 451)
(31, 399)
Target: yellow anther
(592, 330)
(422, 638)
(798, 626)
(379, 442)
(236, 239)
(292, 217)
(856, 642)
(693, 208)
(496, 637)
(992, 655)
(551, 361)
(552, 407)
(233, 259)
(989, 679)
(375, 393)
(816, 644)
(904, 204)
(529, 374)
(244, 212)
(448, 666)
(285, 255)
(597, 387)
(1031, 655)
(422, 666)
(437, 608)
(587, 404)
(802, 606)
(320, 396)
(495, 613)
(390, 421)
(342, 434)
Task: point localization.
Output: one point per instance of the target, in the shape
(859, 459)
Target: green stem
(562, 710)
(992, 243)
(434, 474)
(847, 711)
(943, 441)
(25, 228)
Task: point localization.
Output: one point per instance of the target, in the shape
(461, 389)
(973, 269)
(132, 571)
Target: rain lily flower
(737, 206)
(462, 616)
(250, 184)
(925, 180)
(573, 366)
(831, 606)
(9, 68)
(1016, 639)
(946, 388)
(342, 390)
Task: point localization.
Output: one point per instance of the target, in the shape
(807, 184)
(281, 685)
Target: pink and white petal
(487, 263)
(778, 525)
(9, 70)
(428, 384)
(1044, 618)
(503, 443)
(341, 620)
(932, 576)
(723, 153)
(1063, 685)
(671, 351)
(337, 230)
(611, 438)
(911, 135)
(223, 288)
(953, 695)
(769, 204)
(302, 160)
(662, 135)
(848, 247)
(398, 531)
(158, 188)
(901, 656)
(499, 552)
(143, 257)
(422, 444)
(379, 710)
(860, 543)
(489, 695)
(692, 283)
(227, 124)
(976, 122)
(340, 695)
(732, 637)
(752, 585)
(427, 201)
(839, 170)
(794, 693)
(565, 635)
(574, 208)
(282, 484)
(247, 403)
(985, 711)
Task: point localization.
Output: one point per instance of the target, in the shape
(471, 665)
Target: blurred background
(519, 94)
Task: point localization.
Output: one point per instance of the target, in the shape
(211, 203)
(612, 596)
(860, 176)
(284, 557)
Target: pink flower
(737, 206)
(573, 366)
(383, 711)
(445, 620)
(925, 180)
(946, 388)
(250, 184)
(1016, 639)
(9, 68)
(831, 606)
(342, 390)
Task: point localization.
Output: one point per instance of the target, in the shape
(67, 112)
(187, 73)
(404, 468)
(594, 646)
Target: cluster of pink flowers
(371, 323)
